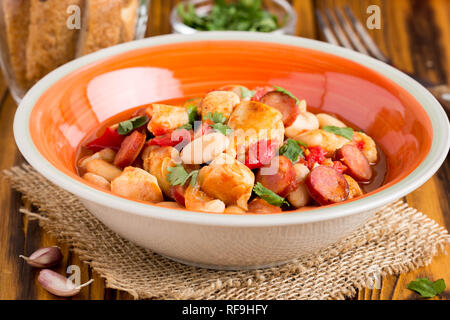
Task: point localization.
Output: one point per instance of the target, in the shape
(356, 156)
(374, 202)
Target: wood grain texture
(415, 34)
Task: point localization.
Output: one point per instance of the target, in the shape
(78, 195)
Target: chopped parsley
(292, 150)
(125, 127)
(179, 176)
(427, 288)
(268, 195)
(343, 132)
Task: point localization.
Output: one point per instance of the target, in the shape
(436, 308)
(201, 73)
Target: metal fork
(354, 36)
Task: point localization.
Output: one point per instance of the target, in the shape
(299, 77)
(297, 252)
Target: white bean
(106, 154)
(305, 121)
(103, 169)
(205, 148)
(327, 120)
(97, 180)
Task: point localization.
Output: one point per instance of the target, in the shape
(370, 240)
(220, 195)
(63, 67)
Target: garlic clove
(44, 257)
(59, 285)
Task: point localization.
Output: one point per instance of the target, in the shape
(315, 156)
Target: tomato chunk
(314, 155)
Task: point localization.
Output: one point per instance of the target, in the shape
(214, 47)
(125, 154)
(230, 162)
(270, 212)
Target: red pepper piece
(172, 139)
(109, 139)
(260, 153)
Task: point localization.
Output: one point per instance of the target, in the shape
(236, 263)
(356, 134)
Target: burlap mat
(398, 239)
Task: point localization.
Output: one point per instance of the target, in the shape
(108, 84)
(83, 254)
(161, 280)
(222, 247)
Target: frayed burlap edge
(398, 239)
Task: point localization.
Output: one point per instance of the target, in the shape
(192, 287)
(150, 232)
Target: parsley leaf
(282, 90)
(246, 93)
(216, 117)
(343, 132)
(268, 195)
(178, 175)
(125, 127)
(427, 288)
(291, 150)
(186, 126)
(222, 128)
(192, 113)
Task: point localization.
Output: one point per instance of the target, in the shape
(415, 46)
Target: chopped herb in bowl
(239, 15)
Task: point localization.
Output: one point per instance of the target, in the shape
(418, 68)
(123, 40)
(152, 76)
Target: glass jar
(281, 9)
(37, 36)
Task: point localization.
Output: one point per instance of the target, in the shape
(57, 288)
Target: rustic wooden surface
(415, 34)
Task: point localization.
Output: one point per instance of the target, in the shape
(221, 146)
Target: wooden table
(414, 33)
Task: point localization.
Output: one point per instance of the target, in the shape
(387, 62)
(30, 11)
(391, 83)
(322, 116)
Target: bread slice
(50, 42)
(128, 17)
(16, 15)
(100, 26)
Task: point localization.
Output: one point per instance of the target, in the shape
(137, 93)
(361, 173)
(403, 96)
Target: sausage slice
(356, 162)
(282, 182)
(283, 103)
(129, 149)
(326, 185)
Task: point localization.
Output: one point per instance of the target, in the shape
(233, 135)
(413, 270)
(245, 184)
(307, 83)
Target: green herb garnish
(222, 128)
(291, 150)
(246, 93)
(240, 15)
(192, 113)
(219, 122)
(343, 132)
(268, 195)
(192, 116)
(178, 175)
(125, 127)
(216, 117)
(427, 288)
(283, 90)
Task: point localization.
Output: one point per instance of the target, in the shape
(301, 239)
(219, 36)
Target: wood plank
(415, 45)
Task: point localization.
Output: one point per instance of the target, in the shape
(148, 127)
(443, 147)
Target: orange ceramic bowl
(402, 116)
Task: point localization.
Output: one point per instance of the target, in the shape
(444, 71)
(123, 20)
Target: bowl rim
(432, 162)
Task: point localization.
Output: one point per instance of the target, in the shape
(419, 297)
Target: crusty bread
(16, 14)
(100, 26)
(50, 42)
(128, 17)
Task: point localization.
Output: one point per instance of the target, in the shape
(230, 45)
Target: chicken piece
(228, 180)
(219, 101)
(369, 148)
(165, 118)
(261, 206)
(251, 122)
(197, 200)
(156, 161)
(328, 141)
(300, 196)
(353, 187)
(326, 120)
(137, 184)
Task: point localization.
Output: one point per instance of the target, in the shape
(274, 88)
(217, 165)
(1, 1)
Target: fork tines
(349, 35)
